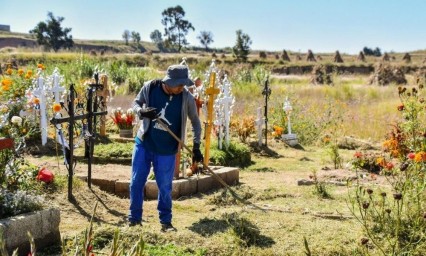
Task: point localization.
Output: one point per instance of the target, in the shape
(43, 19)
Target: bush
(395, 221)
(237, 154)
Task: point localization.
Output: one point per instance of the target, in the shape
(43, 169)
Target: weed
(320, 187)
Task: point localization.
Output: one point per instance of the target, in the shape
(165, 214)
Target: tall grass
(366, 110)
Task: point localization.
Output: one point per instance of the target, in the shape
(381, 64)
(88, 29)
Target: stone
(305, 182)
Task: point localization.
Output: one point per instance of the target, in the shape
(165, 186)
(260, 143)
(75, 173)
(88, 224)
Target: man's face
(175, 90)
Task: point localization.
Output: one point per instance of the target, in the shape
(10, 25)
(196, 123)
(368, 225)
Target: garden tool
(217, 177)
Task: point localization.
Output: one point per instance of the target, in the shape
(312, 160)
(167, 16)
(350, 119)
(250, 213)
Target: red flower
(358, 154)
(411, 155)
(401, 107)
(389, 166)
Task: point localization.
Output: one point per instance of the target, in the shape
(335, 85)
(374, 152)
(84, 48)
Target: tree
(370, 52)
(176, 28)
(126, 36)
(51, 35)
(136, 37)
(242, 46)
(206, 38)
(157, 38)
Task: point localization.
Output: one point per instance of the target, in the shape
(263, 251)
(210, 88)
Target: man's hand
(196, 153)
(150, 113)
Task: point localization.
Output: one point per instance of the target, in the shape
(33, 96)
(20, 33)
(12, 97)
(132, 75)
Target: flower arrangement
(124, 120)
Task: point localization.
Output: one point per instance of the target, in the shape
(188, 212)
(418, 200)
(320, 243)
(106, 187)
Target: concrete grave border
(43, 226)
(181, 187)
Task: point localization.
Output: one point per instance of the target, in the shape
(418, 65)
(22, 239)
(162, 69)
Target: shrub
(395, 221)
(118, 71)
(237, 154)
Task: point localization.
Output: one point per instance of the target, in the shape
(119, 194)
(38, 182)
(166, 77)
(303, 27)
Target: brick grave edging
(43, 225)
(181, 187)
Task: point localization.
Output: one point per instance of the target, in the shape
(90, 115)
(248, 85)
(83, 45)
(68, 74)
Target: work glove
(196, 153)
(150, 113)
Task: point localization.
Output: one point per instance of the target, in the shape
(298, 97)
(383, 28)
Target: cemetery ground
(295, 218)
(211, 223)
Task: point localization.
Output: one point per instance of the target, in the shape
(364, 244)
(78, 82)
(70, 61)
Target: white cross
(259, 125)
(57, 89)
(39, 92)
(227, 101)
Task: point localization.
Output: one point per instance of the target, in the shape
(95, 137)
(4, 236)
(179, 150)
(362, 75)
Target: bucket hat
(177, 75)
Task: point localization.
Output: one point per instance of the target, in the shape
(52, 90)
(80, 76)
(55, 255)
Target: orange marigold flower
(56, 107)
(30, 72)
(9, 71)
(278, 130)
(36, 100)
(390, 144)
(20, 72)
(395, 153)
(381, 161)
(7, 82)
(41, 66)
(420, 157)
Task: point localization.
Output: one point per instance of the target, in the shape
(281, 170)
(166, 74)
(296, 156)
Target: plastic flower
(124, 120)
(56, 107)
(36, 100)
(16, 120)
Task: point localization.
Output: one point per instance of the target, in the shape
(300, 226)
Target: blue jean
(164, 166)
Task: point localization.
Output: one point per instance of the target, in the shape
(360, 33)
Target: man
(153, 143)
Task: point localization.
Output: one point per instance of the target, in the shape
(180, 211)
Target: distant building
(4, 28)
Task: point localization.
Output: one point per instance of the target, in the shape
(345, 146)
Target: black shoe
(167, 227)
(133, 223)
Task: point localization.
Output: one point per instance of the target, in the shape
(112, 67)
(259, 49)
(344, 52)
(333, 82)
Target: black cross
(90, 133)
(266, 92)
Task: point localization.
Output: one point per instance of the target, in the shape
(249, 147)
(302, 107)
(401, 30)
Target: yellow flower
(36, 100)
(56, 107)
(9, 71)
(20, 72)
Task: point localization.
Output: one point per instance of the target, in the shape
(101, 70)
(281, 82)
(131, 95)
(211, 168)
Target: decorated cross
(90, 132)
(57, 89)
(211, 92)
(40, 92)
(225, 102)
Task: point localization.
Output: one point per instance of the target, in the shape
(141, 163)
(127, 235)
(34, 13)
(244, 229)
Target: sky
(273, 25)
